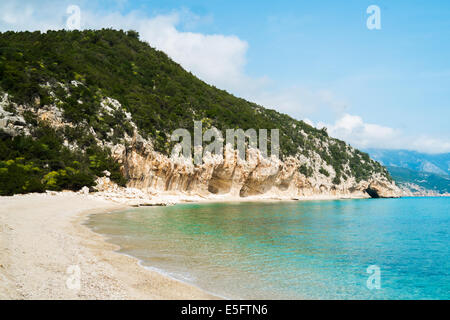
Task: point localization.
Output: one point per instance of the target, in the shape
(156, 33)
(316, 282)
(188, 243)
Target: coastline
(42, 235)
(43, 241)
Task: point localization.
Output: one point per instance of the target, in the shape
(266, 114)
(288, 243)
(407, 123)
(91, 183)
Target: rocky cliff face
(153, 172)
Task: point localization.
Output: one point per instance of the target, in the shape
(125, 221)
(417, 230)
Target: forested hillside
(77, 73)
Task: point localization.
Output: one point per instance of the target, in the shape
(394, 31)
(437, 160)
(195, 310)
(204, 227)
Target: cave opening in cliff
(372, 193)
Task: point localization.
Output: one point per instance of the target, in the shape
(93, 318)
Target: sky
(315, 60)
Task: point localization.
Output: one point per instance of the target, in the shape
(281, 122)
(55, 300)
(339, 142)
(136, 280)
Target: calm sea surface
(294, 250)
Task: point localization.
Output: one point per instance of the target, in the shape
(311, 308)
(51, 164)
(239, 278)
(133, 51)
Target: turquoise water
(294, 250)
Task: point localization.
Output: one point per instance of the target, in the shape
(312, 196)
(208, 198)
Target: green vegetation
(38, 69)
(305, 170)
(324, 172)
(43, 163)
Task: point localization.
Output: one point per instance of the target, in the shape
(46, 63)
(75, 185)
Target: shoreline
(44, 244)
(83, 218)
(171, 199)
(134, 198)
(42, 235)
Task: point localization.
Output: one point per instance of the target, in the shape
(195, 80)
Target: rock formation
(153, 172)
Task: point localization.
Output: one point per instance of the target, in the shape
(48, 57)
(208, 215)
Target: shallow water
(294, 250)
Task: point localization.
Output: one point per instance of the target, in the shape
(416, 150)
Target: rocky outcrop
(153, 173)
(11, 123)
(382, 189)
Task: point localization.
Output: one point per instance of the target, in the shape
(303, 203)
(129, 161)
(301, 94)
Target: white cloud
(430, 145)
(298, 102)
(217, 59)
(354, 130)
(14, 15)
(32, 15)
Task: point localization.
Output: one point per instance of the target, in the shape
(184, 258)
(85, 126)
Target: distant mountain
(434, 163)
(425, 180)
(415, 171)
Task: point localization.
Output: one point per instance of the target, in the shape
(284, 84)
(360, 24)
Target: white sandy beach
(41, 236)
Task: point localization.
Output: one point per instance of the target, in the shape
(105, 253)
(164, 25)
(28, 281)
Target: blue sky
(315, 60)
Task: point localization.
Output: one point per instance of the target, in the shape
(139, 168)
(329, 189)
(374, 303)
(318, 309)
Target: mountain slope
(75, 104)
(417, 173)
(421, 183)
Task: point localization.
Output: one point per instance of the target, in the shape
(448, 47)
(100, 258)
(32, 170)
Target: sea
(337, 249)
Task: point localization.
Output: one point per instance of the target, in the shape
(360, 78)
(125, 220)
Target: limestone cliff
(153, 172)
